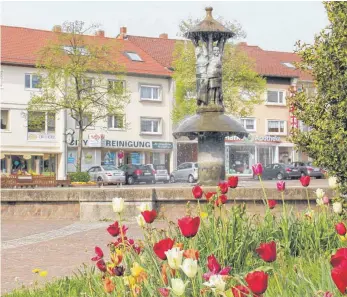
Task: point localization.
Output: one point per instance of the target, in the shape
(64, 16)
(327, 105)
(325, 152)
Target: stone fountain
(210, 125)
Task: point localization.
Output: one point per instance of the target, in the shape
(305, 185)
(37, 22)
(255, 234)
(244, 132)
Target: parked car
(308, 169)
(280, 171)
(160, 173)
(185, 172)
(107, 174)
(138, 173)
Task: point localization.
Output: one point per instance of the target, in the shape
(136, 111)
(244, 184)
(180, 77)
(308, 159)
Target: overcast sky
(270, 25)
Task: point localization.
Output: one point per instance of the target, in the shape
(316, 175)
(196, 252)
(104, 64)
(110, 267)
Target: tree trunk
(79, 150)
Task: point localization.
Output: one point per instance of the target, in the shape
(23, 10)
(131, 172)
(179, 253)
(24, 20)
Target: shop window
(151, 93)
(249, 124)
(156, 158)
(240, 159)
(150, 125)
(276, 97)
(276, 127)
(116, 86)
(116, 121)
(32, 81)
(5, 120)
(42, 122)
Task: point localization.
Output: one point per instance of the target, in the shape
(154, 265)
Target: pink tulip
(257, 169)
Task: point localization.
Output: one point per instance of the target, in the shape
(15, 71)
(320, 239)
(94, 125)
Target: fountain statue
(210, 125)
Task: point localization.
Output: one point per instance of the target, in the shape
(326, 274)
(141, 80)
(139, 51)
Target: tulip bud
(174, 257)
(341, 229)
(337, 207)
(332, 182)
(326, 200)
(320, 193)
(118, 205)
(190, 267)
(140, 220)
(178, 286)
(319, 201)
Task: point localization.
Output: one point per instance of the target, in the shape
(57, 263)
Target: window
(32, 81)
(133, 56)
(276, 127)
(5, 119)
(276, 97)
(151, 126)
(68, 49)
(248, 124)
(41, 122)
(86, 120)
(116, 121)
(288, 64)
(117, 86)
(150, 93)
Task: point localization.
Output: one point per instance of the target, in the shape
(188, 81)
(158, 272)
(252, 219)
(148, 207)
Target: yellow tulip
(203, 215)
(43, 273)
(136, 270)
(36, 270)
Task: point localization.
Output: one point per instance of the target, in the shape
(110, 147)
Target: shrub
(79, 177)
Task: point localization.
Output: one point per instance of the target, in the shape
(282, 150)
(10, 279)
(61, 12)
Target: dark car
(308, 169)
(138, 174)
(280, 171)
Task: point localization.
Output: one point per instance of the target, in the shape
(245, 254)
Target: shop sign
(128, 144)
(253, 138)
(96, 140)
(161, 145)
(37, 136)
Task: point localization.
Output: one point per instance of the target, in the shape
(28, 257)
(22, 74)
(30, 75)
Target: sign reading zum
(161, 145)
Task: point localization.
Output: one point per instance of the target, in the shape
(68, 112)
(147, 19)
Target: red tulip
(222, 199)
(189, 226)
(163, 246)
(257, 282)
(149, 215)
(114, 229)
(165, 292)
(339, 276)
(257, 169)
(281, 185)
(272, 203)
(339, 257)
(223, 186)
(213, 264)
(240, 291)
(233, 181)
(99, 254)
(305, 180)
(267, 251)
(101, 265)
(209, 195)
(197, 192)
(341, 229)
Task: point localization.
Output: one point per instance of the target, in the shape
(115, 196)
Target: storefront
(118, 152)
(36, 163)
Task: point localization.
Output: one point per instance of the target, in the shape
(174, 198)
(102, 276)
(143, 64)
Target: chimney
(56, 28)
(122, 33)
(164, 36)
(100, 33)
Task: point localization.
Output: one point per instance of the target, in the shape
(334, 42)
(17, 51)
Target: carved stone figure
(201, 74)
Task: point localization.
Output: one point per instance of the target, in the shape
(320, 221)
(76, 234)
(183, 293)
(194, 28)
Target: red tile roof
(21, 45)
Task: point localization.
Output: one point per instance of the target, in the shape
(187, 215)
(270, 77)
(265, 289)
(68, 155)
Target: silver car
(107, 174)
(185, 172)
(161, 173)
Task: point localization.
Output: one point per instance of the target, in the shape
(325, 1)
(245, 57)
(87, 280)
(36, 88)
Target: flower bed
(215, 251)
(83, 184)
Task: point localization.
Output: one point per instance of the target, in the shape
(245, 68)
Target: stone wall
(92, 204)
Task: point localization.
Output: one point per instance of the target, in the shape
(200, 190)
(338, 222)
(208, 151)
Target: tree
(242, 86)
(79, 73)
(325, 109)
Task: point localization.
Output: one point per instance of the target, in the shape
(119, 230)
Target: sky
(272, 25)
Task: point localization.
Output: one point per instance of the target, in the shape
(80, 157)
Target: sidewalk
(60, 247)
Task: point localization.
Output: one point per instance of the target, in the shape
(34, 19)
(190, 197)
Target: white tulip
(174, 257)
(333, 182)
(118, 204)
(178, 286)
(319, 201)
(337, 207)
(216, 281)
(145, 206)
(190, 267)
(320, 193)
(140, 220)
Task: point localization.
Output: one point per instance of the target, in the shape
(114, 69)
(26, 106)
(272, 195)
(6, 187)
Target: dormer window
(289, 65)
(133, 56)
